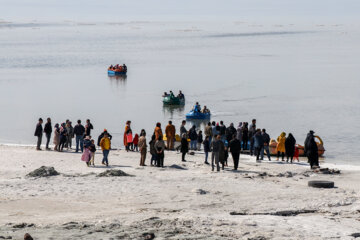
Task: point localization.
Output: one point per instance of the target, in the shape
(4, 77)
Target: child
(105, 145)
(92, 150)
(136, 142)
(296, 153)
(199, 140)
(206, 148)
(129, 139)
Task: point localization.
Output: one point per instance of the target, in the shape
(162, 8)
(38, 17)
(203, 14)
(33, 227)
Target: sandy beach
(267, 200)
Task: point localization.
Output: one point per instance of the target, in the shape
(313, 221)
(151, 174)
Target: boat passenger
(125, 67)
(172, 94)
(205, 110)
(181, 95)
(165, 94)
(197, 107)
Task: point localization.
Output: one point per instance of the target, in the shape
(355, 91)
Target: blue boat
(112, 73)
(197, 115)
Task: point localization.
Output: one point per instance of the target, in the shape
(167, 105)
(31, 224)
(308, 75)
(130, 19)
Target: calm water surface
(289, 77)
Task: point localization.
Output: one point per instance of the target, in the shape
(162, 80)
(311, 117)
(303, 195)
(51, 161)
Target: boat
(197, 115)
(172, 100)
(116, 72)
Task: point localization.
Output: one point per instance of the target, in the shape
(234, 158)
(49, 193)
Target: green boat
(171, 100)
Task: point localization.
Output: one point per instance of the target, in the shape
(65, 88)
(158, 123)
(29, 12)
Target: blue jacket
(258, 140)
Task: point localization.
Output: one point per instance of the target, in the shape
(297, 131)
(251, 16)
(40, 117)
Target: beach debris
(148, 236)
(43, 171)
(258, 238)
(321, 184)
(199, 191)
(355, 235)
(3, 237)
(283, 213)
(191, 153)
(329, 171)
(23, 225)
(113, 173)
(27, 237)
(177, 167)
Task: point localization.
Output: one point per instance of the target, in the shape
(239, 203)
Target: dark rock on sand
(113, 173)
(23, 225)
(27, 237)
(177, 167)
(7, 237)
(355, 235)
(43, 171)
(148, 236)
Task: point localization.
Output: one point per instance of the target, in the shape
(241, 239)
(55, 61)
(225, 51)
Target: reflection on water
(171, 110)
(118, 80)
(199, 123)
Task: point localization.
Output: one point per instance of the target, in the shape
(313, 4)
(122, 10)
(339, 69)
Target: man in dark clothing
(311, 150)
(38, 133)
(266, 140)
(88, 128)
(79, 131)
(183, 129)
(258, 143)
(48, 131)
(102, 135)
(235, 148)
(230, 132)
(222, 131)
(215, 145)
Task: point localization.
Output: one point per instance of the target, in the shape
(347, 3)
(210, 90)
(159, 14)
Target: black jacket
(230, 132)
(79, 130)
(192, 134)
(101, 136)
(184, 145)
(38, 130)
(235, 146)
(266, 138)
(206, 146)
(290, 145)
(88, 130)
(222, 130)
(311, 148)
(48, 128)
(200, 138)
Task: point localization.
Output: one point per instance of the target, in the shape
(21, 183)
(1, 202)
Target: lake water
(290, 77)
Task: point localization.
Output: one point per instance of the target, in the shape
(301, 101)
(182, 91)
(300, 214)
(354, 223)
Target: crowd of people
(218, 140)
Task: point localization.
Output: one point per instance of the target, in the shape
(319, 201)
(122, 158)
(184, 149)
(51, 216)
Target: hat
(311, 131)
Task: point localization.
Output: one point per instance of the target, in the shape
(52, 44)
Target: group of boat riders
(118, 68)
(197, 108)
(171, 95)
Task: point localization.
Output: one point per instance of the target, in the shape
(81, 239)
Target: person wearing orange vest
(170, 136)
(158, 131)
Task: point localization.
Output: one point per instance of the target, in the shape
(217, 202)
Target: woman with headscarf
(239, 132)
(56, 137)
(281, 146)
(290, 147)
(160, 147)
(63, 137)
(184, 147)
(127, 130)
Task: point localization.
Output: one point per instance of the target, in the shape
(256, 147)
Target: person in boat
(197, 107)
(111, 67)
(124, 67)
(172, 94)
(181, 95)
(205, 110)
(165, 94)
(116, 66)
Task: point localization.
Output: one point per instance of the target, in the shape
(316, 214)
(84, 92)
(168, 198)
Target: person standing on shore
(199, 140)
(266, 140)
(182, 128)
(311, 150)
(153, 161)
(88, 127)
(160, 147)
(281, 146)
(258, 143)
(252, 131)
(290, 147)
(170, 132)
(158, 132)
(105, 145)
(239, 132)
(206, 148)
(63, 137)
(235, 148)
(142, 147)
(56, 137)
(222, 131)
(92, 149)
(79, 131)
(127, 129)
(215, 145)
(245, 136)
(48, 131)
(184, 147)
(102, 135)
(70, 134)
(193, 137)
(38, 133)
(208, 132)
(230, 132)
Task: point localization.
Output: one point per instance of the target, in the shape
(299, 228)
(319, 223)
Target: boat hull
(110, 72)
(198, 115)
(173, 101)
